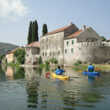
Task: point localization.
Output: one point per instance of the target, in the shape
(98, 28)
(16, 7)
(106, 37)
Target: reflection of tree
(44, 96)
(2, 74)
(91, 97)
(32, 78)
(19, 73)
(32, 91)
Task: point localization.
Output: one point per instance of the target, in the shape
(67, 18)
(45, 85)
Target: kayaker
(59, 71)
(91, 68)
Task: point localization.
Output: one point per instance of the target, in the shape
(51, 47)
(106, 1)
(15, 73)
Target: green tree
(36, 31)
(44, 30)
(20, 55)
(30, 33)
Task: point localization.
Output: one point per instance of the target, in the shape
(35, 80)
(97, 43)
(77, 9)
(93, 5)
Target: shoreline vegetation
(98, 67)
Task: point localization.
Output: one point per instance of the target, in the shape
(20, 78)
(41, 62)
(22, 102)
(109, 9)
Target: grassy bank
(98, 67)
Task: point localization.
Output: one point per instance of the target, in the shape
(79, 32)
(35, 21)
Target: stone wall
(52, 46)
(91, 52)
(32, 55)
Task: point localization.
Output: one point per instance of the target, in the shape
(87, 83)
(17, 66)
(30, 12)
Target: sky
(15, 16)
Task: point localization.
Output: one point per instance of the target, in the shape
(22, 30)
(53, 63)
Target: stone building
(69, 44)
(52, 44)
(32, 53)
(10, 56)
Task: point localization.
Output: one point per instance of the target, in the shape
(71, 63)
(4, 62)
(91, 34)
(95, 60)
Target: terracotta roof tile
(61, 29)
(74, 34)
(34, 44)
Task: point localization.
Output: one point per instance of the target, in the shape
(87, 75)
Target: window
(72, 41)
(72, 50)
(65, 50)
(43, 54)
(67, 43)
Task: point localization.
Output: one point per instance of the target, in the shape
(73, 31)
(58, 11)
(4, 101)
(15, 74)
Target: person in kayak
(59, 71)
(91, 68)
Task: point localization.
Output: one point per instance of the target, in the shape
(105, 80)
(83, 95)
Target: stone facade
(70, 44)
(32, 53)
(52, 44)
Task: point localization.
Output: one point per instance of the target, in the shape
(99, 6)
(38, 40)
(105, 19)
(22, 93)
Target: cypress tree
(36, 31)
(44, 30)
(30, 33)
(33, 32)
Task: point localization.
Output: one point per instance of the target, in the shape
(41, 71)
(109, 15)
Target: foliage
(78, 62)
(30, 33)
(33, 32)
(40, 60)
(20, 55)
(54, 61)
(1, 57)
(44, 30)
(19, 73)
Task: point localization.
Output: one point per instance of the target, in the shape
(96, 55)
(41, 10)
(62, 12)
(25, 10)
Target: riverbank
(98, 67)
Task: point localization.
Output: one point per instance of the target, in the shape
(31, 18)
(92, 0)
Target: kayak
(61, 77)
(91, 74)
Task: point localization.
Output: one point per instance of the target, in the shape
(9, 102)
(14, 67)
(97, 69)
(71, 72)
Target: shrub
(20, 55)
(77, 63)
(54, 61)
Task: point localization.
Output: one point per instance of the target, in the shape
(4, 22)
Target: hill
(5, 47)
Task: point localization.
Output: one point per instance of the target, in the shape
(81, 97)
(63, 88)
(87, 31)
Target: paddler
(59, 71)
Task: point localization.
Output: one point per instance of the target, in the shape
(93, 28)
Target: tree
(44, 30)
(33, 32)
(36, 31)
(20, 55)
(30, 33)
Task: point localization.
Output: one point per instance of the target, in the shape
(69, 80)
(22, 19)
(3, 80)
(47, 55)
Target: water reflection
(33, 78)
(48, 94)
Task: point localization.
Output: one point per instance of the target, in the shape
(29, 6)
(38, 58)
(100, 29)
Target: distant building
(10, 56)
(32, 53)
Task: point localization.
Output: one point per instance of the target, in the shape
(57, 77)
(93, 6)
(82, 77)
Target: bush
(20, 55)
(78, 63)
(54, 61)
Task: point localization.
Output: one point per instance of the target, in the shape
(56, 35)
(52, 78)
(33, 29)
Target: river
(28, 89)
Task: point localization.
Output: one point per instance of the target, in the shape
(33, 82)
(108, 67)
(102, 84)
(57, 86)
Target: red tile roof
(34, 44)
(61, 29)
(74, 34)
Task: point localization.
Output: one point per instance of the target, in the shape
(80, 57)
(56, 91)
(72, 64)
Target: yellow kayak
(61, 77)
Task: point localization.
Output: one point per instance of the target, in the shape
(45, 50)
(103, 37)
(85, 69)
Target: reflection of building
(32, 87)
(10, 56)
(9, 72)
(32, 53)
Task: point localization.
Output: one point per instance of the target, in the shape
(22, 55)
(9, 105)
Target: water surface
(28, 89)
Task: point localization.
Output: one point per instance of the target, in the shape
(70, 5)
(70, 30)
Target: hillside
(5, 47)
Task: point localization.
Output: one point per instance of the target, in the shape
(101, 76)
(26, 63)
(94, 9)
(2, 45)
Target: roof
(34, 44)
(74, 35)
(62, 29)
